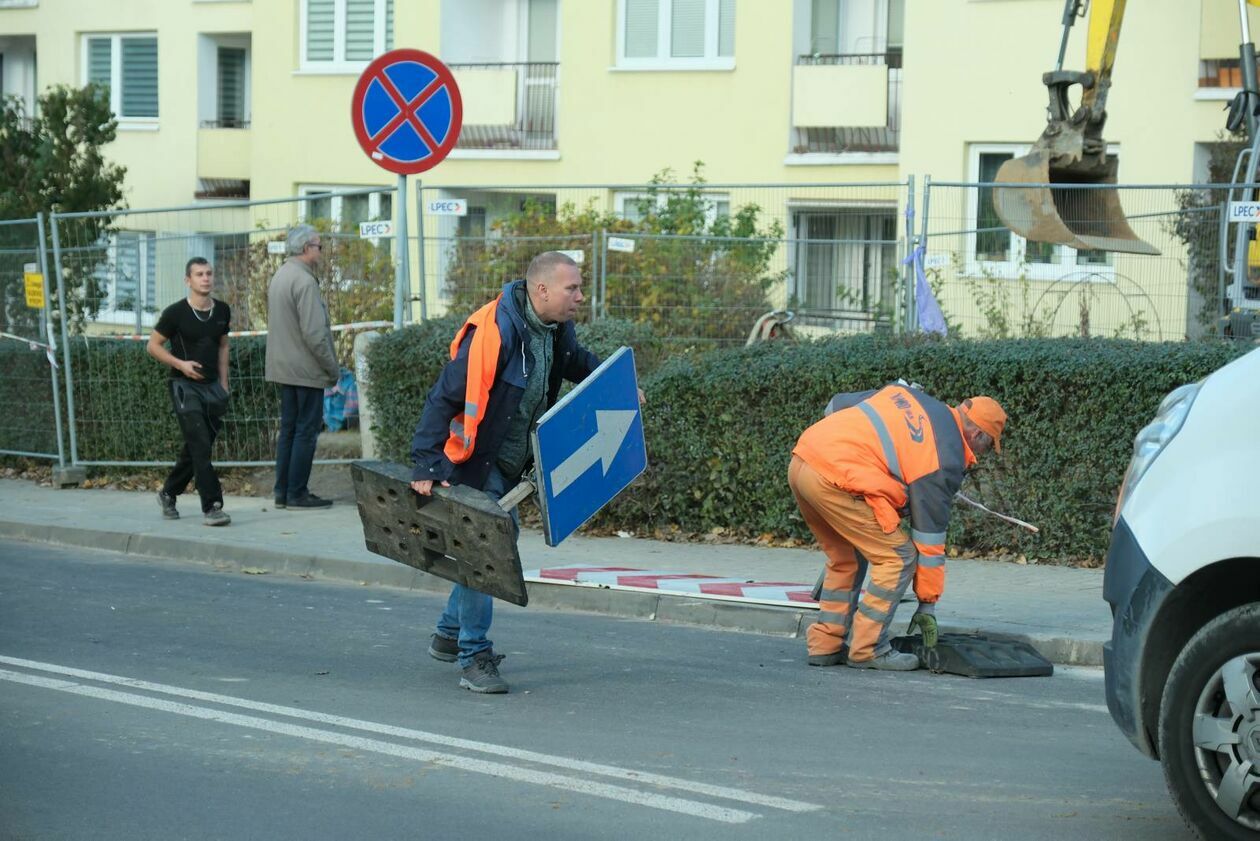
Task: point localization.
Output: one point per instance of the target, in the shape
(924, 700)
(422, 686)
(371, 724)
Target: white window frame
(338, 64)
(115, 76)
(796, 241)
(712, 200)
(1018, 266)
(19, 4)
(663, 60)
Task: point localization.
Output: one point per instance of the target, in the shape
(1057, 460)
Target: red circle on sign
(406, 111)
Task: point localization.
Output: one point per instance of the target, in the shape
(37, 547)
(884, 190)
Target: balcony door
(855, 27)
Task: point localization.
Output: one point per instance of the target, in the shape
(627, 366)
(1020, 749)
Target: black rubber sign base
(458, 533)
(976, 655)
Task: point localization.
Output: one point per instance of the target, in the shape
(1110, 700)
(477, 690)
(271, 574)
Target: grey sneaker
(169, 511)
(280, 502)
(838, 658)
(889, 661)
(216, 516)
(482, 674)
(444, 649)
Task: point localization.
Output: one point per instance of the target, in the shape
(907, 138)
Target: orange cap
(988, 414)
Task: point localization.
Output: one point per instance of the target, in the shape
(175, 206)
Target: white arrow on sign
(611, 429)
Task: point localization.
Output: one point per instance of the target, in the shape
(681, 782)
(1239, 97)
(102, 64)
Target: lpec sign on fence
(407, 111)
(448, 207)
(34, 285)
(1244, 211)
(371, 230)
(589, 446)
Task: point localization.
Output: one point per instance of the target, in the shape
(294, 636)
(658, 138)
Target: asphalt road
(163, 700)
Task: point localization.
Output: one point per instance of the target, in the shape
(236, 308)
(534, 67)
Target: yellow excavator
(1071, 153)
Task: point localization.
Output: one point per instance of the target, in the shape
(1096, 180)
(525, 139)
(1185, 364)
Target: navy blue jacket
(570, 362)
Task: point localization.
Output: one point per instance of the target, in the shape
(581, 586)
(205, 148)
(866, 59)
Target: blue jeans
(468, 611)
(301, 415)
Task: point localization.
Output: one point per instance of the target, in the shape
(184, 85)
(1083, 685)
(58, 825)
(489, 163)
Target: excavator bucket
(1069, 215)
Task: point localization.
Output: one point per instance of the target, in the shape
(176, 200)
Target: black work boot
(443, 648)
(482, 674)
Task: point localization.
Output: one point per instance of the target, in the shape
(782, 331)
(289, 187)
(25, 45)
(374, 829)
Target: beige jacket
(299, 343)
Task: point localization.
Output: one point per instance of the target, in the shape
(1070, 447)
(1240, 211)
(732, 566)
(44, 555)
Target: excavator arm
(1048, 199)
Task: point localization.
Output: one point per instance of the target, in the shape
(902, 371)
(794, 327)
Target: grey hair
(544, 264)
(299, 237)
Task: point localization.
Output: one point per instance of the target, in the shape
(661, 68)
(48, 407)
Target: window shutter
(126, 271)
(360, 30)
(687, 29)
(99, 60)
(139, 77)
(389, 25)
(319, 30)
(231, 87)
(726, 28)
(641, 28)
(149, 301)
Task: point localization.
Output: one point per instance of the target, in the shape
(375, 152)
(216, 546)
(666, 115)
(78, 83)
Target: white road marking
(502, 751)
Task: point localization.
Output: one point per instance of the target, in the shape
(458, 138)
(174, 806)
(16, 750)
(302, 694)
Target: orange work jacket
(483, 362)
(903, 451)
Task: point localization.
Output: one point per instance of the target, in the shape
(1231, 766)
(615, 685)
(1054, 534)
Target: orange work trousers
(847, 532)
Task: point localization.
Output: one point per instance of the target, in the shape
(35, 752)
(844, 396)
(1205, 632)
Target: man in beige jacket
(301, 360)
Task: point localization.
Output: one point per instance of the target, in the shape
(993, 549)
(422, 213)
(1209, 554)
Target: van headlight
(1154, 437)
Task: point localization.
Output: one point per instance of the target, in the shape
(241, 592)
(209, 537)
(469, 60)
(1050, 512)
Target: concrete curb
(684, 610)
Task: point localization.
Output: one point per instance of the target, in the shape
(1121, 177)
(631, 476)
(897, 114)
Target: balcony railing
(508, 106)
(849, 138)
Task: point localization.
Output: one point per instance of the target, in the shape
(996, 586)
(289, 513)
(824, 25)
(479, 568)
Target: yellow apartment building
(228, 99)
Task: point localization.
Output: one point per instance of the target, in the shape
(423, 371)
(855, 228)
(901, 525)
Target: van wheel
(1209, 727)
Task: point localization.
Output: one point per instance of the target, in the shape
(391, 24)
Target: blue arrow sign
(589, 446)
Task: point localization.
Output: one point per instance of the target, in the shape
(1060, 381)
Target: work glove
(926, 623)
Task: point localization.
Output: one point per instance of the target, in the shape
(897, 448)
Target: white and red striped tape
(680, 583)
(237, 334)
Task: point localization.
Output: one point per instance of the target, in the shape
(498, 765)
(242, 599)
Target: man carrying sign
(507, 363)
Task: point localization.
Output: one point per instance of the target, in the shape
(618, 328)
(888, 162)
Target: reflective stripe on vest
(483, 364)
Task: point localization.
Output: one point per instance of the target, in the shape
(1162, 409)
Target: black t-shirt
(195, 335)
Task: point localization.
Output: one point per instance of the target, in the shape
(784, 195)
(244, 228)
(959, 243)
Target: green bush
(720, 426)
(404, 364)
(123, 406)
(27, 423)
(720, 429)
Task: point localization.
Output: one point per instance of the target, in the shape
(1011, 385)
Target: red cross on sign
(407, 111)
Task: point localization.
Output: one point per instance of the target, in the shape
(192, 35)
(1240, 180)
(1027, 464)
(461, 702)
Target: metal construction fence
(991, 282)
(30, 423)
(116, 271)
(702, 263)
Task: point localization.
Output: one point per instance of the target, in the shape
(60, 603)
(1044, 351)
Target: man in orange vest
(507, 363)
(879, 456)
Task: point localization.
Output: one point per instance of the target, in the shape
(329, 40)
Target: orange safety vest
(483, 364)
(897, 448)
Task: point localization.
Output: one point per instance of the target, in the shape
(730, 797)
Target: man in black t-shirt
(197, 329)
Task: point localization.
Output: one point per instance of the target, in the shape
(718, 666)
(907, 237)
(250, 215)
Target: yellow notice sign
(34, 286)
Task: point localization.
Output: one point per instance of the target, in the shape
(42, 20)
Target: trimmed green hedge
(123, 408)
(720, 426)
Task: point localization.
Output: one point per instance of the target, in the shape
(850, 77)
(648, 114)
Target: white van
(1183, 581)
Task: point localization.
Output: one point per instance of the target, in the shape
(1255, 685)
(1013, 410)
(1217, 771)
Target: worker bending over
(876, 457)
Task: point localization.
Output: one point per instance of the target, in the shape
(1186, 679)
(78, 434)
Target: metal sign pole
(401, 278)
